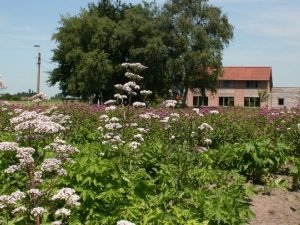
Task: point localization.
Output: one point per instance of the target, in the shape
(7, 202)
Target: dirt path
(280, 208)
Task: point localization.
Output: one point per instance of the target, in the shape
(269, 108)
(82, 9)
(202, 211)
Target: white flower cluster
(39, 126)
(132, 124)
(110, 108)
(20, 209)
(12, 199)
(149, 115)
(2, 84)
(25, 115)
(63, 150)
(114, 119)
(35, 122)
(205, 126)
(207, 141)
(139, 104)
(51, 109)
(38, 211)
(134, 144)
(12, 169)
(24, 154)
(39, 97)
(61, 118)
(145, 116)
(145, 92)
(142, 130)
(130, 88)
(110, 102)
(214, 112)
(119, 96)
(68, 195)
(119, 86)
(38, 176)
(138, 137)
(53, 165)
(112, 135)
(170, 103)
(198, 112)
(35, 192)
(104, 118)
(4, 103)
(124, 222)
(113, 126)
(165, 119)
(134, 66)
(174, 116)
(8, 146)
(63, 212)
(133, 76)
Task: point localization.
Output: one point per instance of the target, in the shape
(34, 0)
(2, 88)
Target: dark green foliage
(92, 46)
(295, 173)
(181, 43)
(198, 34)
(255, 159)
(230, 127)
(18, 96)
(158, 184)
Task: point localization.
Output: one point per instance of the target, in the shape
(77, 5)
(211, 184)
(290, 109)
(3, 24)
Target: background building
(285, 97)
(246, 87)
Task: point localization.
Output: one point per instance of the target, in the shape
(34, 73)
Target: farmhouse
(246, 87)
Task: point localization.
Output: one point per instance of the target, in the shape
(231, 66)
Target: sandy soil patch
(281, 207)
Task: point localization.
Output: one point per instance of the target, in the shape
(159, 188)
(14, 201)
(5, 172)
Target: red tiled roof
(246, 73)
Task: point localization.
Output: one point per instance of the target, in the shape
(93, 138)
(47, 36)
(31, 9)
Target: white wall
(291, 96)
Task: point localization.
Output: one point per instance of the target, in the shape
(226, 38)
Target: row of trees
(18, 96)
(180, 42)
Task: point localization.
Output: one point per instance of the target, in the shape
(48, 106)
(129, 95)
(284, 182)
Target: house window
(280, 101)
(200, 101)
(251, 102)
(226, 101)
(252, 84)
(226, 84)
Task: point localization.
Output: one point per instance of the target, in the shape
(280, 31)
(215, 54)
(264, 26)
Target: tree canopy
(180, 42)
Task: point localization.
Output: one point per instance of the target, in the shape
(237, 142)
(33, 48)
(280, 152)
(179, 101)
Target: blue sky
(266, 33)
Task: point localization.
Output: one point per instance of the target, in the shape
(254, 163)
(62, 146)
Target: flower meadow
(129, 164)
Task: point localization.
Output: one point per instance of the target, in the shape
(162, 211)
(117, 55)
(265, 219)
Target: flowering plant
(40, 167)
(2, 84)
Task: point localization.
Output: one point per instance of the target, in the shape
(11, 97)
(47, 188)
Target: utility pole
(38, 71)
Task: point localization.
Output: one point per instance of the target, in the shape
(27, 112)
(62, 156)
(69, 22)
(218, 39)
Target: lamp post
(39, 69)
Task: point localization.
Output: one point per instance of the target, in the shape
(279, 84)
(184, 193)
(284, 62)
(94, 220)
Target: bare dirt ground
(281, 207)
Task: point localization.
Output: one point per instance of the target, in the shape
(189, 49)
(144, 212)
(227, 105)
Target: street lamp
(39, 69)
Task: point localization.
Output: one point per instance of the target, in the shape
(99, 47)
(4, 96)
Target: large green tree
(197, 36)
(83, 50)
(92, 45)
(181, 43)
